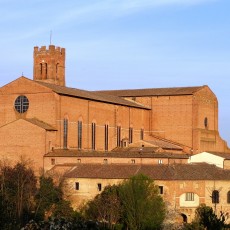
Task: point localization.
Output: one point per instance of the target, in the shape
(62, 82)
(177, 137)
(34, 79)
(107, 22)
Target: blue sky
(120, 44)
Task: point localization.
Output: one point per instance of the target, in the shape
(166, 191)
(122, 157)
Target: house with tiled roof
(129, 155)
(219, 159)
(183, 186)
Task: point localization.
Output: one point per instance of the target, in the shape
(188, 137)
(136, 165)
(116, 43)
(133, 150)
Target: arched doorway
(185, 218)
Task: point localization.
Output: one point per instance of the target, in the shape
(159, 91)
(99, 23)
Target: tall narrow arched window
(79, 132)
(142, 134)
(130, 135)
(57, 70)
(41, 69)
(228, 197)
(206, 122)
(118, 136)
(106, 137)
(215, 197)
(65, 133)
(46, 70)
(93, 136)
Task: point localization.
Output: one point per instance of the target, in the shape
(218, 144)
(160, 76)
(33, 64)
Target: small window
(99, 187)
(228, 197)
(160, 161)
(78, 160)
(189, 196)
(52, 161)
(125, 144)
(105, 161)
(215, 197)
(133, 161)
(161, 190)
(77, 186)
(21, 104)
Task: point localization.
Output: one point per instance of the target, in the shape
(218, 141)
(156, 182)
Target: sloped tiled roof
(156, 172)
(164, 144)
(41, 124)
(153, 91)
(220, 154)
(117, 153)
(95, 96)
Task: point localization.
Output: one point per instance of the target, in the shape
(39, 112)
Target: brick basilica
(104, 137)
(43, 115)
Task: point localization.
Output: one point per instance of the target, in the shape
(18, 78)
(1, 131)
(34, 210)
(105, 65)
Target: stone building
(43, 115)
(183, 186)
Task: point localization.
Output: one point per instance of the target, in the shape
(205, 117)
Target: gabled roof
(164, 144)
(156, 172)
(34, 121)
(153, 91)
(219, 154)
(117, 153)
(41, 124)
(95, 96)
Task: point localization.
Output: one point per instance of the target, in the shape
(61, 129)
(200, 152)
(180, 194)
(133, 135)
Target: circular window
(21, 104)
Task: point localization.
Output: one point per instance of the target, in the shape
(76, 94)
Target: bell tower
(49, 65)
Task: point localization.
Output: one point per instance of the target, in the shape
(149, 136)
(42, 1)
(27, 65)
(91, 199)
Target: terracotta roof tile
(103, 171)
(156, 172)
(96, 96)
(153, 91)
(117, 153)
(164, 144)
(220, 154)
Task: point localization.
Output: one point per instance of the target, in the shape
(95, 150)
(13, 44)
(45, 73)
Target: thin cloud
(104, 8)
(81, 12)
(113, 8)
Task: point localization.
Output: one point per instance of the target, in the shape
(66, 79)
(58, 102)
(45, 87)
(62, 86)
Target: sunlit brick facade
(40, 115)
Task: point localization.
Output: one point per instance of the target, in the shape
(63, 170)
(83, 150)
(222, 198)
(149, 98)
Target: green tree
(18, 187)
(143, 207)
(50, 202)
(105, 207)
(207, 218)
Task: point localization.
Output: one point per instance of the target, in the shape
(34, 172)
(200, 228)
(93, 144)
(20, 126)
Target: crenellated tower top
(49, 64)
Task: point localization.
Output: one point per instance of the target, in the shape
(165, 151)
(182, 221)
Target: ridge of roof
(148, 153)
(170, 91)
(95, 96)
(200, 171)
(225, 155)
(36, 122)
